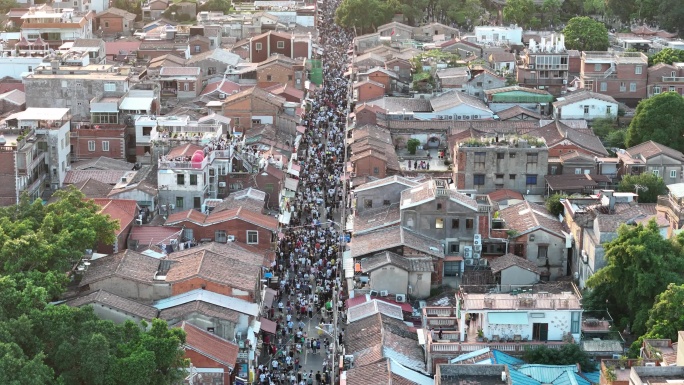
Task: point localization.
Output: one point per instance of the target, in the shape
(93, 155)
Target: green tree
(586, 34)
(667, 56)
(640, 264)
(6, 5)
(550, 12)
(670, 15)
(224, 6)
(554, 204)
(363, 15)
(603, 127)
(654, 184)
(616, 138)
(412, 144)
(666, 317)
(568, 354)
(622, 9)
(520, 12)
(594, 7)
(658, 119)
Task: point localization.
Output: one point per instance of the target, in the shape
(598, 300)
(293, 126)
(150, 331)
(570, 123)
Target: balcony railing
(544, 81)
(36, 184)
(667, 203)
(562, 67)
(510, 347)
(39, 158)
(675, 79)
(170, 164)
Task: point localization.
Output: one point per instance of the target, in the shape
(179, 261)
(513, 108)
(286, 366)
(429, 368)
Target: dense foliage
(568, 354)
(667, 56)
(654, 186)
(56, 344)
(658, 118)
(640, 264)
(554, 204)
(586, 34)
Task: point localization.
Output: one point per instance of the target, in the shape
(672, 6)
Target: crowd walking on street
(309, 251)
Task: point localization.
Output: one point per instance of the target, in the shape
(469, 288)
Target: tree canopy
(667, 56)
(363, 15)
(639, 265)
(554, 204)
(586, 34)
(521, 12)
(568, 354)
(654, 186)
(658, 118)
(48, 344)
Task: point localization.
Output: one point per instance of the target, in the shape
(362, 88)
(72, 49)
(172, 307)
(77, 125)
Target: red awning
(404, 306)
(268, 326)
(453, 258)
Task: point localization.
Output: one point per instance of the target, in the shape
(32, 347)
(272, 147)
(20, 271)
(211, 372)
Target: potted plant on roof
(480, 335)
(622, 362)
(610, 374)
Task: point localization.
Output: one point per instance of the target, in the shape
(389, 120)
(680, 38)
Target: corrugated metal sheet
(236, 304)
(545, 373)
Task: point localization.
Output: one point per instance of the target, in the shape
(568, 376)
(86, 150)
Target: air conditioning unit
(477, 256)
(483, 262)
(373, 293)
(531, 66)
(222, 184)
(384, 293)
(585, 256)
(222, 96)
(401, 297)
(650, 364)
(477, 239)
(231, 238)
(469, 262)
(172, 207)
(467, 252)
(565, 81)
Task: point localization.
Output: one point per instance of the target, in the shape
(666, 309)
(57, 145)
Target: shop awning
(285, 217)
(508, 318)
(291, 184)
(268, 326)
(269, 295)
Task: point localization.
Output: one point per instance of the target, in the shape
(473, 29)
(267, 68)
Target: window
(608, 110)
(186, 87)
(419, 277)
(656, 90)
(480, 159)
(672, 88)
(604, 86)
(106, 24)
(500, 155)
(586, 109)
(368, 203)
(289, 78)
(105, 145)
(386, 202)
(542, 252)
(211, 70)
(30, 69)
(622, 87)
(64, 84)
(252, 237)
(511, 176)
(673, 173)
(553, 170)
(656, 172)
(281, 44)
(532, 158)
(257, 46)
(638, 69)
(597, 67)
(193, 180)
(439, 206)
(454, 223)
(454, 247)
(180, 179)
(478, 179)
(451, 269)
(376, 170)
(531, 180)
(179, 202)
(110, 87)
(511, 155)
(498, 176)
(269, 78)
(91, 145)
(578, 171)
(575, 322)
(220, 236)
(469, 223)
(198, 48)
(632, 87)
(439, 223)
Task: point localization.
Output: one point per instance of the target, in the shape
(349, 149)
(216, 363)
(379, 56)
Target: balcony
(509, 347)
(670, 79)
(670, 207)
(562, 67)
(36, 184)
(36, 160)
(185, 163)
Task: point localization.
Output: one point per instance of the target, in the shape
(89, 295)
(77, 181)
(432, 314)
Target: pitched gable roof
(258, 93)
(517, 111)
(650, 149)
(526, 217)
(386, 181)
(210, 345)
(453, 99)
(505, 261)
(581, 96)
(557, 132)
(127, 265)
(114, 301)
(92, 188)
(246, 215)
(122, 210)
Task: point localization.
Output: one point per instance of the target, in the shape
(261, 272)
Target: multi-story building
(622, 75)
(664, 77)
(545, 65)
(73, 87)
(508, 162)
(55, 27)
(35, 153)
(652, 157)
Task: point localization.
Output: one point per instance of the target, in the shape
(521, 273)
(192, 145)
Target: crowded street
(308, 257)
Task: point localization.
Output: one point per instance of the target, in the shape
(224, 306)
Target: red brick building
(252, 106)
(206, 350)
(114, 20)
(261, 47)
(621, 75)
(234, 224)
(94, 141)
(664, 77)
(368, 90)
(123, 211)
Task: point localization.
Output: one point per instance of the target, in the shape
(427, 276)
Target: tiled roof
(117, 12)
(386, 181)
(209, 310)
(179, 71)
(609, 223)
(246, 215)
(575, 156)
(249, 198)
(117, 47)
(394, 236)
(102, 163)
(505, 261)
(397, 104)
(504, 194)
(373, 219)
(228, 264)
(390, 258)
(190, 215)
(575, 181)
(210, 345)
(376, 373)
(428, 191)
(650, 149)
(557, 132)
(525, 217)
(515, 111)
(453, 99)
(127, 265)
(122, 210)
(15, 97)
(257, 93)
(108, 299)
(92, 188)
(581, 96)
(372, 307)
(286, 89)
(218, 54)
(515, 88)
(154, 235)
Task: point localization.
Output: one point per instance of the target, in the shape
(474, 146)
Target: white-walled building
(454, 105)
(498, 35)
(585, 105)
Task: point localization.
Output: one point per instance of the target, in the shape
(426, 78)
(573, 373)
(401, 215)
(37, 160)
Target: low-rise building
(622, 75)
(211, 356)
(115, 21)
(585, 105)
(664, 77)
(544, 65)
(652, 157)
(395, 274)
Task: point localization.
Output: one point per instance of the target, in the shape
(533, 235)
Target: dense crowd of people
(309, 251)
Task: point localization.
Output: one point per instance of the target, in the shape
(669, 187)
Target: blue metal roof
(518, 378)
(502, 358)
(593, 377)
(546, 373)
